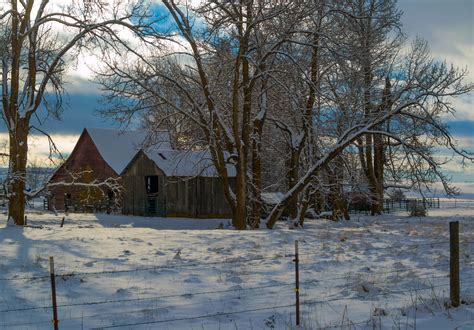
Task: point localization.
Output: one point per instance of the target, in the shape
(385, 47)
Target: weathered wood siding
(196, 197)
(133, 180)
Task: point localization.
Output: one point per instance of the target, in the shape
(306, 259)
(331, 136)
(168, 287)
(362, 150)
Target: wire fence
(265, 297)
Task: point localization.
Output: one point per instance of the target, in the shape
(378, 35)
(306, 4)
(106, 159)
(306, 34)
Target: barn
(173, 183)
(156, 180)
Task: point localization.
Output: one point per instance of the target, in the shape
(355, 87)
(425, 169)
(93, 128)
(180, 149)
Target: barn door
(154, 204)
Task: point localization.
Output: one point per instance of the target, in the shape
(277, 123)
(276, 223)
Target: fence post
(297, 284)
(53, 293)
(454, 285)
(62, 222)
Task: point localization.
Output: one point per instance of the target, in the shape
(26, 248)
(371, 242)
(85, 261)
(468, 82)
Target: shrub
(417, 209)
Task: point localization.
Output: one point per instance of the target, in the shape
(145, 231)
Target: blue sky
(447, 26)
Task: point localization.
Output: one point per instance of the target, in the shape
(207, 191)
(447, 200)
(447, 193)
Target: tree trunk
(379, 161)
(256, 175)
(17, 171)
(304, 206)
(239, 218)
(293, 176)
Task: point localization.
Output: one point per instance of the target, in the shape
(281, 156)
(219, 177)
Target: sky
(447, 26)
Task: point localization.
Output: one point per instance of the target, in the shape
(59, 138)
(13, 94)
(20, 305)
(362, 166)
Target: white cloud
(39, 150)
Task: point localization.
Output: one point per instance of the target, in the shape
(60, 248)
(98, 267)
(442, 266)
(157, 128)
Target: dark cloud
(80, 110)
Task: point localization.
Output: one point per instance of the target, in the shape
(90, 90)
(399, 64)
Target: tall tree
(219, 80)
(375, 38)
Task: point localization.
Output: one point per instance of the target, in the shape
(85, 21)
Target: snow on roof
(118, 147)
(186, 163)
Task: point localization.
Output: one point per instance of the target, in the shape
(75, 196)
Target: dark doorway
(154, 205)
(151, 184)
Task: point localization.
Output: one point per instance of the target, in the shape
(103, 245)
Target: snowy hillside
(153, 273)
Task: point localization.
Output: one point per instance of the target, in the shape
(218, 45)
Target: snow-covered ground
(153, 273)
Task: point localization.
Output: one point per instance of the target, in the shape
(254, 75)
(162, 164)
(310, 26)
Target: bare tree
(38, 39)
(427, 86)
(219, 80)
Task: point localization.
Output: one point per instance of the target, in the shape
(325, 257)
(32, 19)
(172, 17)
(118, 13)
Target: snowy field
(388, 272)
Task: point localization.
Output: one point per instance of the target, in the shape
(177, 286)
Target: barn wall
(133, 178)
(85, 156)
(199, 197)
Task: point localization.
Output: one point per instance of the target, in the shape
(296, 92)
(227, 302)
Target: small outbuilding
(174, 183)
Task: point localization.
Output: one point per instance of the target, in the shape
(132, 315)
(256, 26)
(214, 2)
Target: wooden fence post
(297, 284)
(454, 285)
(53, 293)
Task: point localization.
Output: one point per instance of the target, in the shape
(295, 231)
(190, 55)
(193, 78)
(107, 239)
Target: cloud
(448, 28)
(446, 25)
(38, 148)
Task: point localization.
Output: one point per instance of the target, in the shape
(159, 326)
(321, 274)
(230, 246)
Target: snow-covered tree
(218, 78)
(421, 86)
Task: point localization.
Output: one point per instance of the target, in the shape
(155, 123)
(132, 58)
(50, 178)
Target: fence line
(202, 264)
(184, 295)
(308, 302)
(190, 294)
(168, 266)
(231, 261)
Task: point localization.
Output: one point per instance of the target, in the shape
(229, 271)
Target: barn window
(151, 184)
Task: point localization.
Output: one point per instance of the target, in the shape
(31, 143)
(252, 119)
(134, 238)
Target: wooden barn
(99, 154)
(174, 183)
(156, 181)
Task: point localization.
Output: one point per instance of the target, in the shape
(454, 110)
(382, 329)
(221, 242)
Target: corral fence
(298, 292)
(392, 205)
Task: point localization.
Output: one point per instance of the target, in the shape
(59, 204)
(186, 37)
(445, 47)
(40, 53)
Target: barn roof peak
(117, 147)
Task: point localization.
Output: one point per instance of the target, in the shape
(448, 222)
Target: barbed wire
(189, 294)
(178, 265)
(24, 323)
(377, 273)
(196, 317)
(308, 302)
(347, 276)
(184, 295)
(198, 264)
(168, 266)
(384, 293)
